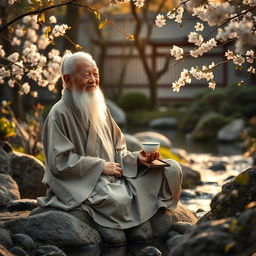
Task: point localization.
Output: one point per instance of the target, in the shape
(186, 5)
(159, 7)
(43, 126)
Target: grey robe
(75, 157)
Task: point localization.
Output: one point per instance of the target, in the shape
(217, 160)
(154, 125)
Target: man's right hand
(112, 168)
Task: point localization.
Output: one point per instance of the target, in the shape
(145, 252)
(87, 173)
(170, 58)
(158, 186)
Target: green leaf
(47, 31)
(243, 178)
(41, 17)
(229, 246)
(103, 23)
(11, 30)
(97, 14)
(130, 37)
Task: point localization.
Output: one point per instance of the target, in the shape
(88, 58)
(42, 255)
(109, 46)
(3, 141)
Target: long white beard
(93, 108)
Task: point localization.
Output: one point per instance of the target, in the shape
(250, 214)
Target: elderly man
(87, 164)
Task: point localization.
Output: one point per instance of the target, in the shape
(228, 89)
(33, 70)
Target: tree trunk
(153, 94)
(72, 18)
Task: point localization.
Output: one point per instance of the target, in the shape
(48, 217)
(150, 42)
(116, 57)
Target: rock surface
(235, 195)
(231, 236)
(132, 143)
(231, 132)
(154, 136)
(117, 113)
(60, 229)
(191, 178)
(28, 172)
(164, 123)
(8, 189)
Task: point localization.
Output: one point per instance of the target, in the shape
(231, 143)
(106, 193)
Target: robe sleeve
(62, 160)
(72, 177)
(128, 160)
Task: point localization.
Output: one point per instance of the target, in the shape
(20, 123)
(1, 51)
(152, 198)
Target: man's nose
(92, 79)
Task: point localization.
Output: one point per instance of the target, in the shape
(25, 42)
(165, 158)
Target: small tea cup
(150, 146)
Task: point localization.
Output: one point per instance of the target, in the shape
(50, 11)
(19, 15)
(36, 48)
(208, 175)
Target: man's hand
(144, 157)
(112, 168)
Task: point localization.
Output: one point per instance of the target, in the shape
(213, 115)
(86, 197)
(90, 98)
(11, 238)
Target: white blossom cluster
(137, 3)
(32, 63)
(233, 21)
(239, 60)
(186, 76)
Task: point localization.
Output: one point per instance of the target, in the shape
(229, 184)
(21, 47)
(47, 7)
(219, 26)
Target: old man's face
(86, 76)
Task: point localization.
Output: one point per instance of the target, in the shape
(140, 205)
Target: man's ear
(68, 81)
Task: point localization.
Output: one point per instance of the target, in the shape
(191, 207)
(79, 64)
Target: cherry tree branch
(4, 26)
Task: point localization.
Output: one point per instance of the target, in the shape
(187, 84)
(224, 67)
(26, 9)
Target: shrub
(7, 128)
(133, 101)
(208, 126)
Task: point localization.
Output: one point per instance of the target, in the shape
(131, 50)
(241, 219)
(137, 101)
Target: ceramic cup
(150, 146)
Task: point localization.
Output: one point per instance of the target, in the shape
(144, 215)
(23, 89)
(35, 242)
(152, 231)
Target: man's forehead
(85, 64)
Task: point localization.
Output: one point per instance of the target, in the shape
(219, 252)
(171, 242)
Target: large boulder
(75, 229)
(191, 178)
(231, 131)
(164, 219)
(154, 136)
(57, 228)
(132, 143)
(117, 113)
(235, 195)
(164, 123)
(28, 172)
(8, 189)
(231, 236)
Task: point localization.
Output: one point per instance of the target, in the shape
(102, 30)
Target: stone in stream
(218, 166)
(5, 238)
(191, 178)
(235, 195)
(154, 136)
(48, 249)
(171, 242)
(229, 236)
(140, 233)
(56, 228)
(18, 251)
(24, 241)
(164, 123)
(181, 227)
(4, 251)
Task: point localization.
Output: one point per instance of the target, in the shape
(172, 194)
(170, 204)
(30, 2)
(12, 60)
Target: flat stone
(24, 241)
(48, 250)
(111, 236)
(139, 233)
(5, 238)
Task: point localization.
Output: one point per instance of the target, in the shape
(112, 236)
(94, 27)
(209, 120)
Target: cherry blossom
(160, 20)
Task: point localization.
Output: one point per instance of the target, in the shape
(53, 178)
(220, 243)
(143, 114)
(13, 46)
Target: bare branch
(4, 26)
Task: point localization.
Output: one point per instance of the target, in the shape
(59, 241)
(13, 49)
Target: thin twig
(106, 18)
(4, 26)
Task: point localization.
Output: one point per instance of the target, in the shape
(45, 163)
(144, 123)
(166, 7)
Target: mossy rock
(208, 126)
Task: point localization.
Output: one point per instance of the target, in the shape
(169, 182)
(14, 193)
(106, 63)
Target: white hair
(68, 63)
